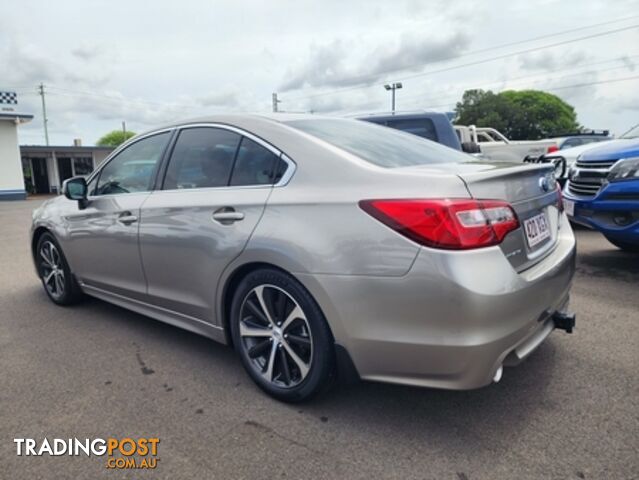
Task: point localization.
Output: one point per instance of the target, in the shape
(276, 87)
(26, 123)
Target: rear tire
(56, 276)
(626, 246)
(282, 337)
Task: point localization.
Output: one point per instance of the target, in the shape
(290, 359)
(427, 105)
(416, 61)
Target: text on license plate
(537, 229)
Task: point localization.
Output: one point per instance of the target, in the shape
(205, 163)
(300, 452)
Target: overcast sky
(152, 62)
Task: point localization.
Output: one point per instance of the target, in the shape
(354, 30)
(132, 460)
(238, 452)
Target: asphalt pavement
(95, 371)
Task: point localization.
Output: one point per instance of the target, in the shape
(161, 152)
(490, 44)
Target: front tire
(625, 246)
(58, 281)
(282, 336)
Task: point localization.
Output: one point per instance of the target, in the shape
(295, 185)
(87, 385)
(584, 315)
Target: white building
(11, 179)
(37, 169)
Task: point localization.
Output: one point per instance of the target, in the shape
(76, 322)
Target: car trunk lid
(532, 192)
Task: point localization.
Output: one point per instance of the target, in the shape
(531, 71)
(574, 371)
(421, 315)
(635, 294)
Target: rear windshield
(422, 127)
(378, 145)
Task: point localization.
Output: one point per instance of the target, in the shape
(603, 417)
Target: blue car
(602, 191)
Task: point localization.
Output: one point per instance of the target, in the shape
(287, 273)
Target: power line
(76, 93)
(517, 79)
(563, 87)
(473, 63)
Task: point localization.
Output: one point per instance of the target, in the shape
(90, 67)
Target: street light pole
(392, 87)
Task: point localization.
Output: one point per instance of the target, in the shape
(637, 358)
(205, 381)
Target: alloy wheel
(52, 269)
(276, 336)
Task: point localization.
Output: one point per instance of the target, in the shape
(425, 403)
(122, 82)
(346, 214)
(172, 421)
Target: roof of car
(240, 120)
(602, 137)
(404, 114)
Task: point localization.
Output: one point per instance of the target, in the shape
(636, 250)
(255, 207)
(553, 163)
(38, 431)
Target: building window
(83, 165)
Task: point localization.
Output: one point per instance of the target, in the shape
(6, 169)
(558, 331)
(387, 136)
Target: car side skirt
(176, 319)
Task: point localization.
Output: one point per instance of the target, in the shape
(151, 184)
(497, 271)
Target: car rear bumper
(453, 320)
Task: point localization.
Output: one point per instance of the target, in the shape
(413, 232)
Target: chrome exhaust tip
(498, 374)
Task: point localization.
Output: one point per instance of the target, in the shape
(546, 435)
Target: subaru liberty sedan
(319, 248)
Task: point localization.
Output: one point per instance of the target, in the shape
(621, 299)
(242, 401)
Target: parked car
(496, 147)
(319, 246)
(576, 139)
(602, 191)
(566, 158)
(434, 126)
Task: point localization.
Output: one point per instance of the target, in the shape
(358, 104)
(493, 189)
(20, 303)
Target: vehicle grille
(605, 164)
(589, 177)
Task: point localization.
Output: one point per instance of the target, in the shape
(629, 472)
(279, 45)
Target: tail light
(552, 148)
(560, 198)
(454, 224)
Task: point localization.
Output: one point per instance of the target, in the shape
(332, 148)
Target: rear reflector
(455, 224)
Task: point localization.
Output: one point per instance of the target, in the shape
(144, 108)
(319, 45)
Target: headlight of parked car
(624, 169)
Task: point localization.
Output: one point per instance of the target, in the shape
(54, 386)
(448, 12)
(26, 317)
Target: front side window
(254, 164)
(202, 158)
(132, 170)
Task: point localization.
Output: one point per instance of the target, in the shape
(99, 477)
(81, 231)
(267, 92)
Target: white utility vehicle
(496, 147)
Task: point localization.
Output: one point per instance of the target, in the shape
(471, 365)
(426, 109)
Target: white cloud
(105, 62)
(339, 62)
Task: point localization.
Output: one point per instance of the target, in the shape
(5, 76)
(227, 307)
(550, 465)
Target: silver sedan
(319, 247)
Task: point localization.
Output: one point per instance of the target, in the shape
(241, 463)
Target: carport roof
(62, 148)
(20, 117)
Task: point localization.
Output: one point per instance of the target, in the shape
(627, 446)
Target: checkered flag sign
(10, 98)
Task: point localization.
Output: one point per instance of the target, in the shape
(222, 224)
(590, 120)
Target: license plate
(537, 229)
(569, 207)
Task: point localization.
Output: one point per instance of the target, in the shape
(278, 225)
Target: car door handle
(227, 215)
(127, 219)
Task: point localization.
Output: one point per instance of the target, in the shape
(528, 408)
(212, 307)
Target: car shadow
(612, 263)
(495, 408)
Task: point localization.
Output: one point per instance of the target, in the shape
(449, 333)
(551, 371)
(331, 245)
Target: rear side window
(254, 164)
(382, 146)
(202, 158)
(422, 127)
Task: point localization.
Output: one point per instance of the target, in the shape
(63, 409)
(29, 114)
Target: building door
(64, 169)
(40, 175)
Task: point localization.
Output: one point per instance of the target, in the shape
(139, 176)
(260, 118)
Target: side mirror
(470, 147)
(76, 189)
(560, 167)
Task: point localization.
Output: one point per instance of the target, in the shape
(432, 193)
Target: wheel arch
(230, 286)
(35, 238)
(346, 371)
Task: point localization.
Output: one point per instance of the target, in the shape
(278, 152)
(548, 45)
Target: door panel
(104, 235)
(185, 249)
(104, 244)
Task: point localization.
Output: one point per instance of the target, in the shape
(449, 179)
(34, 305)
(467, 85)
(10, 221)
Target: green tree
(114, 138)
(520, 115)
